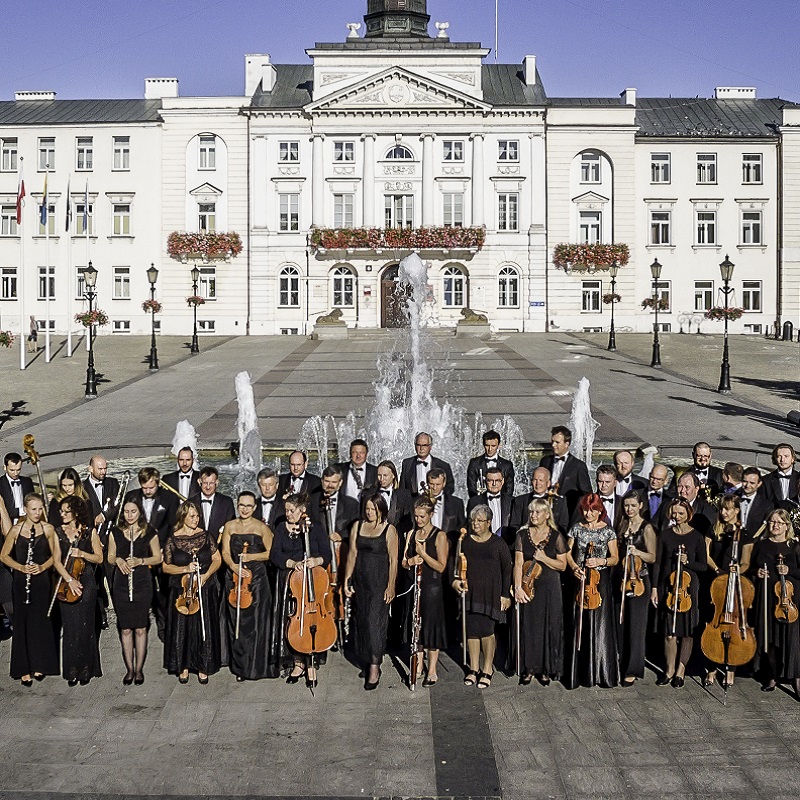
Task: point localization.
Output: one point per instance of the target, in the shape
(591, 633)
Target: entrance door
(393, 299)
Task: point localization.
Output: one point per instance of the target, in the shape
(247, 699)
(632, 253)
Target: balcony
(203, 246)
(378, 239)
(589, 257)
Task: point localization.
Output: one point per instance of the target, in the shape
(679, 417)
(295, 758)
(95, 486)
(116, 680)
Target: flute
(130, 574)
(28, 563)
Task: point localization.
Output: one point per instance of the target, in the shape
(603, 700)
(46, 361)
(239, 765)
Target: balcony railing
(205, 246)
(589, 257)
(398, 239)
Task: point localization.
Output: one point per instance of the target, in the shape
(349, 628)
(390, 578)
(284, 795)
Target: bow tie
(625, 480)
(386, 491)
(422, 463)
(97, 483)
(438, 499)
(746, 499)
(267, 499)
(703, 472)
(492, 496)
(537, 497)
(655, 493)
(492, 462)
(15, 483)
(785, 476)
(562, 459)
(358, 469)
(332, 501)
(607, 499)
(207, 500)
(185, 476)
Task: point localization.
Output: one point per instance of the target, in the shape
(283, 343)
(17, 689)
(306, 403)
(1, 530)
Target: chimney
(735, 93)
(160, 88)
(529, 70)
(34, 95)
(628, 97)
(259, 71)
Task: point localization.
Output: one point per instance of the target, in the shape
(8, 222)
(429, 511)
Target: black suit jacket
(453, 517)
(110, 489)
(347, 512)
(519, 512)
(704, 516)
(760, 506)
(222, 511)
(408, 474)
(276, 515)
(162, 519)
(171, 479)
(658, 519)
(477, 466)
(25, 483)
(311, 484)
(772, 487)
(714, 480)
(637, 485)
(574, 481)
(507, 531)
(370, 475)
(401, 511)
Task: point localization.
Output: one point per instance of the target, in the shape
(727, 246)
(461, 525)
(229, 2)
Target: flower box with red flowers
(398, 238)
(184, 245)
(195, 300)
(90, 319)
(6, 338)
(650, 302)
(611, 297)
(151, 306)
(719, 313)
(590, 257)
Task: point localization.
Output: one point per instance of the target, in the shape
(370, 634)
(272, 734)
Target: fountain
(247, 429)
(582, 424)
(185, 436)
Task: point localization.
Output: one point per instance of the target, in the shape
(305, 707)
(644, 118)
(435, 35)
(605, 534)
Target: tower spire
(397, 19)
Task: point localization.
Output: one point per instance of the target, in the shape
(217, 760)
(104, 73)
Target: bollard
(788, 331)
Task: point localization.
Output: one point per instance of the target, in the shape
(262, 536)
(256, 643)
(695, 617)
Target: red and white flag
(20, 196)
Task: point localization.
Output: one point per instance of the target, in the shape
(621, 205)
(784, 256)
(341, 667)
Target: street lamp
(195, 348)
(726, 271)
(90, 279)
(612, 335)
(152, 276)
(655, 271)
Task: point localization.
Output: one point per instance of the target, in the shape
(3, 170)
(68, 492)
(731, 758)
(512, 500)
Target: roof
(71, 112)
(292, 88)
(504, 85)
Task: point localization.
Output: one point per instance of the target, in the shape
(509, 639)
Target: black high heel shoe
(202, 681)
(292, 679)
(184, 681)
(26, 682)
(664, 680)
(139, 679)
(128, 679)
(370, 685)
(72, 682)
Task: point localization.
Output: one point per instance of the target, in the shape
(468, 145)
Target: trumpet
(177, 494)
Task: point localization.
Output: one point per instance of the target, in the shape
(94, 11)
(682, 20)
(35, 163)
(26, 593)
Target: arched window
(344, 282)
(399, 153)
(289, 293)
(455, 287)
(508, 288)
(590, 166)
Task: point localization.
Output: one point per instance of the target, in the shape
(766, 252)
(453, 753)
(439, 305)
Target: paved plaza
(267, 739)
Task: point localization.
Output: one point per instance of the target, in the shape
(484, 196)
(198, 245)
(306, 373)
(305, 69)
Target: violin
(785, 609)
(589, 595)
(74, 566)
(188, 601)
(531, 570)
(461, 563)
(241, 596)
(632, 583)
(678, 597)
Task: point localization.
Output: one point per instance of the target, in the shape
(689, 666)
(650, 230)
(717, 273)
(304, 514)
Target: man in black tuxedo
(479, 466)
(626, 480)
(707, 474)
(568, 474)
(101, 489)
(216, 508)
(540, 487)
(269, 505)
(185, 479)
(14, 486)
(332, 508)
(704, 513)
(658, 496)
(414, 472)
(398, 500)
(781, 483)
(448, 510)
(606, 476)
(357, 473)
(754, 503)
(298, 480)
(499, 502)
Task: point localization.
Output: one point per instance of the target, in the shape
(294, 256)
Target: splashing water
(314, 436)
(582, 424)
(185, 436)
(247, 429)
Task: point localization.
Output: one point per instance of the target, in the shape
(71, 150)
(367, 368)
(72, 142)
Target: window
(207, 217)
(751, 227)
(343, 287)
(706, 227)
(343, 210)
(453, 209)
(703, 295)
(660, 227)
(80, 283)
(289, 287)
(289, 331)
(398, 210)
(751, 168)
(121, 326)
(122, 152)
(452, 150)
(706, 167)
(51, 220)
(660, 168)
(207, 153)
(507, 205)
(84, 154)
(289, 212)
(47, 283)
(207, 283)
(590, 167)
(122, 283)
(8, 155)
(508, 288)
(454, 288)
(508, 150)
(751, 295)
(344, 151)
(589, 227)
(590, 296)
(289, 152)
(47, 154)
(84, 219)
(663, 291)
(8, 283)
(122, 220)
(8, 221)
(399, 153)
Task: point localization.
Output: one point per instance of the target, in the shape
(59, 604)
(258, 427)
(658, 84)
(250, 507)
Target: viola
(241, 596)
(531, 570)
(589, 595)
(74, 567)
(188, 601)
(678, 597)
(785, 609)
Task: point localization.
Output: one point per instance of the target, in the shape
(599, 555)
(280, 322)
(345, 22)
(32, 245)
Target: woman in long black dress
(76, 540)
(488, 593)
(594, 655)
(288, 554)
(133, 550)
(34, 647)
(637, 540)
(541, 617)
(246, 545)
(192, 642)
(683, 624)
(776, 555)
(369, 579)
(426, 547)
(69, 485)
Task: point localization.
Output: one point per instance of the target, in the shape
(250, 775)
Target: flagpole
(69, 272)
(46, 213)
(86, 231)
(23, 337)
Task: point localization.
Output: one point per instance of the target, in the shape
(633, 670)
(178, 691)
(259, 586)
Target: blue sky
(106, 48)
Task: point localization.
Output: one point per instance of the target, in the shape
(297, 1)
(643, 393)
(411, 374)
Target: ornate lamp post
(726, 271)
(655, 271)
(613, 270)
(152, 277)
(90, 279)
(195, 348)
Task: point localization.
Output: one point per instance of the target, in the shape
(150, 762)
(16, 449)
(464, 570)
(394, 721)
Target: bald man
(101, 488)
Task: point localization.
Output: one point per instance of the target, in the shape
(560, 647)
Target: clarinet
(130, 574)
(28, 563)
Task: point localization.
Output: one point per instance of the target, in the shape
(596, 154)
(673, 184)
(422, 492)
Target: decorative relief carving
(397, 186)
(508, 170)
(398, 94)
(453, 170)
(423, 97)
(376, 98)
(335, 77)
(461, 77)
(344, 170)
(289, 170)
(399, 169)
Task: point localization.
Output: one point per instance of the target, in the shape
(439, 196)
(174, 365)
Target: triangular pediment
(396, 88)
(590, 197)
(205, 189)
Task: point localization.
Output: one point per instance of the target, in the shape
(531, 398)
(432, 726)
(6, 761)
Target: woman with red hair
(592, 550)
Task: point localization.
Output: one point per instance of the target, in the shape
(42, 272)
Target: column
(368, 182)
(259, 182)
(428, 213)
(478, 187)
(317, 181)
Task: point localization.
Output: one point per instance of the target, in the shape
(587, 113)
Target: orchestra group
(565, 582)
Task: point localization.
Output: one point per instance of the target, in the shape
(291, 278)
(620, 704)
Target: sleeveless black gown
(370, 612)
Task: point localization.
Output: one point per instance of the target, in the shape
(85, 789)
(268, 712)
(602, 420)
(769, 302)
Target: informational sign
(536, 303)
